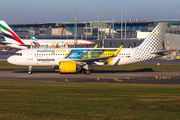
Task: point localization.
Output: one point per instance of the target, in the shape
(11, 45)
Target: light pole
(98, 27)
(105, 21)
(75, 29)
(101, 23)
(113, 28)
(121, 24)
(125, 25)
(86, 24)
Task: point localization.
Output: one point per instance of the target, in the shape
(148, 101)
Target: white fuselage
(52, 57)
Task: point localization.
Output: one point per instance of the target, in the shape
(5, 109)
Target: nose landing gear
(30, 70)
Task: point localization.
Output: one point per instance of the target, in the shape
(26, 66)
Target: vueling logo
(46, 51)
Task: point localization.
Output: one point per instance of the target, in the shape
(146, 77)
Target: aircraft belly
(123, 61)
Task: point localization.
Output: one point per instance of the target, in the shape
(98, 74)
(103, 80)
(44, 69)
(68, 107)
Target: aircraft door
(30, 54)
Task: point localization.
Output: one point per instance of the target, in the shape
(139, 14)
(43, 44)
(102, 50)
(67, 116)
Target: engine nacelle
(67, 67)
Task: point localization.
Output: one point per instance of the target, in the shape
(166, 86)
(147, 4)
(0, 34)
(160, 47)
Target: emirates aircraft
(13, 40)
(69, 60)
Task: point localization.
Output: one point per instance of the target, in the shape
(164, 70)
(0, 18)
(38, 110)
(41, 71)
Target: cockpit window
(19, 54)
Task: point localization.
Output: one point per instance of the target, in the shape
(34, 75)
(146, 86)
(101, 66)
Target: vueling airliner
(13, 40)
(70, 60)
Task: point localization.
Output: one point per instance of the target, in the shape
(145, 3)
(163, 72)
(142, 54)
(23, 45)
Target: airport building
(131, 34)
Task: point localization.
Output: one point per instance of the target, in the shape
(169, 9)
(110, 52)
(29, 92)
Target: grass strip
(50, 100)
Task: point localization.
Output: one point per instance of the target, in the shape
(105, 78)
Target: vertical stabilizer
(9, 35)
(35, 42)
(155, 38)
(152, 43)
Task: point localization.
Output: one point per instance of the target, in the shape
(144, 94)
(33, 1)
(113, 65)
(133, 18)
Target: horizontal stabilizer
(160, 53)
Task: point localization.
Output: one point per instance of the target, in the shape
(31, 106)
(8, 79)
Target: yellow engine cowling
(67, 67)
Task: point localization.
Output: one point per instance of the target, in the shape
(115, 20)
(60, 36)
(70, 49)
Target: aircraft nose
(11, 60)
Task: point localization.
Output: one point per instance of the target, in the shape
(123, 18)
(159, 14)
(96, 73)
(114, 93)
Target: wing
(96, 59)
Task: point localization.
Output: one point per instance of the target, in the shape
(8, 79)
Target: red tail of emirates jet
(12, 39)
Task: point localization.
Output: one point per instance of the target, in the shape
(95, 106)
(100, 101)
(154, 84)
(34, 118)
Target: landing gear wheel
(82, 71)
(87, 72)
(29, 72)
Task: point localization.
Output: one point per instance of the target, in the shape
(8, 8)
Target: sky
(32, 11)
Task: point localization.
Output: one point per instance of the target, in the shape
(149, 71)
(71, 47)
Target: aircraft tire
(87, 72)
(29, 72)
(82, 71)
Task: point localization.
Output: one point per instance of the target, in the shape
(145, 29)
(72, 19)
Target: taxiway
(108, 76)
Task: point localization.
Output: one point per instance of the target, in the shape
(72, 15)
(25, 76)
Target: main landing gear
(30, 70)
(85, 70)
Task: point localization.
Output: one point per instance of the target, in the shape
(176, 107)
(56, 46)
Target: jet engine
(66, 67)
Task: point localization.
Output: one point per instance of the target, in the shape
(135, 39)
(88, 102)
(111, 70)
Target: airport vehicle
(69, 60)
(13, 40)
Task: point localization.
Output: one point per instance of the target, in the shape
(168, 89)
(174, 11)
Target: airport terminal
(106, 33)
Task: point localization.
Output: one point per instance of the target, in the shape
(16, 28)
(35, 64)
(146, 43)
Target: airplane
(13, 40)
(69, 60)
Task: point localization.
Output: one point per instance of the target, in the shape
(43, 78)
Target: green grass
(55, 101)
(131, 67)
